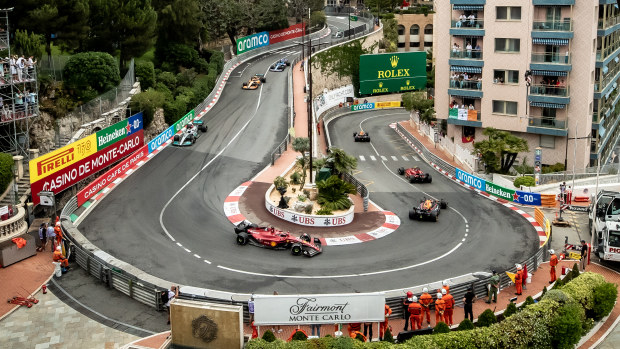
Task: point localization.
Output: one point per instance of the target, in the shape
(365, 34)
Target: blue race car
(280, 65)
(190, 133)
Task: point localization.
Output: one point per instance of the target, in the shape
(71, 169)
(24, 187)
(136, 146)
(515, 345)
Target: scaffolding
(19, 94)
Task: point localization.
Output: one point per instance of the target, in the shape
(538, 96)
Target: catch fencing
(427, 154)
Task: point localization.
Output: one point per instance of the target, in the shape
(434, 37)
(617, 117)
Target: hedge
(559, 319)
(6, 171)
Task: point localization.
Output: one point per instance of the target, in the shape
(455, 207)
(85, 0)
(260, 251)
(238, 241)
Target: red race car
(277, 239)
(415, 175)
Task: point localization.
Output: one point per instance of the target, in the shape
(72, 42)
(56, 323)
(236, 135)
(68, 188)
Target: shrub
(216, 60)
(296, 177)
(604, 299)
(558, 296)
(566, 329)
(575, 271)
(299, 336)
(441, 327)
(360, 337)
(88, 74)
(387, 336)
(465, 325)
(308, 209)
(582, 288)
(333, 193)
(145, 71)
(525, 180)
(486, 319)
(301, 197)
(280, 182)
(187, 77)
(147, 102)
(168, 79)
(174, 110)
(528, 301)
(544, 291)
(6, 171)
(268, 336)
(557, 167)
(511, 309)
(324, 212)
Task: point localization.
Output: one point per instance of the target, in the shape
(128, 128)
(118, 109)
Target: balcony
(553, 2)
(551, 58)
(464, 54)
(549, 90)
(604, 23)
(547, 126)
(466, 84)
(563, 26)
(464, 117)
(467, 24)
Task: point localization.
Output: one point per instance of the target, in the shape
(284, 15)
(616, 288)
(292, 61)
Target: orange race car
(255, 82)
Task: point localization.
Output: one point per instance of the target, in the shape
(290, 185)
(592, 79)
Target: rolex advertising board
(392, 72)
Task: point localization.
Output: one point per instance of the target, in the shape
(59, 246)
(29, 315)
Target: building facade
(415, 32)
(546, 70)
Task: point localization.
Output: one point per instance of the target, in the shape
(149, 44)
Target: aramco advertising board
(392, 72)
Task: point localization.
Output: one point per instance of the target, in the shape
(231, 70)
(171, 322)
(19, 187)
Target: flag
(511, 276)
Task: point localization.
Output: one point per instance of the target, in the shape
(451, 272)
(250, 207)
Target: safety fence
(427, 154)
(281, 148)
(361, 188)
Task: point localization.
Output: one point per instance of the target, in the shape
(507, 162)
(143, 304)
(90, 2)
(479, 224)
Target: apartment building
(415, 32)
(546, 70)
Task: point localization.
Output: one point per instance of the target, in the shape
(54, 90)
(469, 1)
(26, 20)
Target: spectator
(493, 287)
(468, 48)
(13, 64)
(20, 65)
(30, 64)
(19, 104)
(51, 235)
(472, 20)
(368, 330)
(172, 294)
(477, 51)
(32, 102)
(584, 255)
(42, 236)
(316, 328)
(468, 302)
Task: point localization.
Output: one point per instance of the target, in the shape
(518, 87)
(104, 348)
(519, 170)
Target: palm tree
(302, 145)
(341, 162)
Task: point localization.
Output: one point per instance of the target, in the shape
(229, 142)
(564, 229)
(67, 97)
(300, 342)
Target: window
(547, 141)
(401, 30)
(414, 30)
(428, 29)
(428, 44)
(508, 13)
(505, 107)
(507, 45)
(401, 44)
(506, 76)
(414, 44)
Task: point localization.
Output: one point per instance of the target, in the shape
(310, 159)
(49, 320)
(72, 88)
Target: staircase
(23, 190)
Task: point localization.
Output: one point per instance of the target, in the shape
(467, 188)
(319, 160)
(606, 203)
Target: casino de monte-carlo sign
(318, 308)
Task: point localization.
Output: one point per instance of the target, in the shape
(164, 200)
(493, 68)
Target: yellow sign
(391, 104)
(68, 155)
(574, 255)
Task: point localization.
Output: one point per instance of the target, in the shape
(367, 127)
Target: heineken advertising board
(392, 72)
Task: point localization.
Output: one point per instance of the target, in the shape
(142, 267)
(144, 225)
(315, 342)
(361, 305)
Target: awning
(549, 72)
(468, 7)
(548, 105)
(459, 93)
(546, 41)
(462, 69)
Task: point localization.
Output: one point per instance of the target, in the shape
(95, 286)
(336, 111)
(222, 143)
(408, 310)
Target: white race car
(190, 133)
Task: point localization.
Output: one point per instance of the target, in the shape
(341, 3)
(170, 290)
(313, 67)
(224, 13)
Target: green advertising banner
(392, 72)
(184, 121)
(500, 192)
(111, 134)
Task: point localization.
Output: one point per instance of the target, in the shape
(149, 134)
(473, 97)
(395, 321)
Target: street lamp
(310, 120)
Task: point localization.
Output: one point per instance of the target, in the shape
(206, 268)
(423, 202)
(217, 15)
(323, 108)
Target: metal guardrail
(426, 153)
(361, 188)
(281, 148)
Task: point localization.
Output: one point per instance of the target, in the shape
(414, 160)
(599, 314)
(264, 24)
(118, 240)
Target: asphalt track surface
(167, 219)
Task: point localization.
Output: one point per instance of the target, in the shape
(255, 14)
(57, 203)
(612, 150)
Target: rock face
(157, 126)
(43, 132)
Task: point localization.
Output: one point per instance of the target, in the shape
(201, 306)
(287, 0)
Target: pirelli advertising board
(60, 169)
(392, 72)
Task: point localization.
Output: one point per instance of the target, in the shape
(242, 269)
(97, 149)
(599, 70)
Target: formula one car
(280, 65)
(277, 240)
(428, 209)
(190, 133)
(361, 136)
(255, 82)
(415, 175)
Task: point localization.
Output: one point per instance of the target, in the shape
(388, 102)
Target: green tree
(147, 102)
(390, 35)
(417, 101)
(302, 145)
(28, 44)
(270, 15)
(333, 193)
(318, 19)
(499, 150)
(145, 71)
(45, 16)
(90, 73)
(6, 170)
(340, 162)
(179, 22)
(343, 60)
(73, 28)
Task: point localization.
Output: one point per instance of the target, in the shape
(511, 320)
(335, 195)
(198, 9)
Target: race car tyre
(288, 64)
(413, 214)
(428, 178)
(412, 179)
(242, 238)
(263, 80)
(241, 227)
(245, 84)
(203, 128)
(401, 171)
(191, 139)
(443, 205)
(272, 67)
(177, 138)
(434, 217)
(296, 249)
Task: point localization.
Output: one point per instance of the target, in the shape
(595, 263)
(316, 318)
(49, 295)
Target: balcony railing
(547, 122)
(605, 23)
(563, 26)
(551, 58)
(468, 24)
(549, 90)
(464, 54)
(466, 84)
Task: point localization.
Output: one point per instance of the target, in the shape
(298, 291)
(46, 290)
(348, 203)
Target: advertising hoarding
(364, 106)
(474, 181)
(392, 72)
(333, 98)
(69, 175)
(527, 198)
(109, 177)
(392, 104)
(251, 42)
(500, 192)
(294, 31)
(318, 309)
(52, 162)
(170, 131)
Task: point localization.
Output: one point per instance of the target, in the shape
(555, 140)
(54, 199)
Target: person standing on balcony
(472, 20)
(477, 52)
(462, 20)
(469, 48)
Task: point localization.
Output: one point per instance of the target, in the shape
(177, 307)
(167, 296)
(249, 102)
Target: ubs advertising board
(392, 72)
(318, 309)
